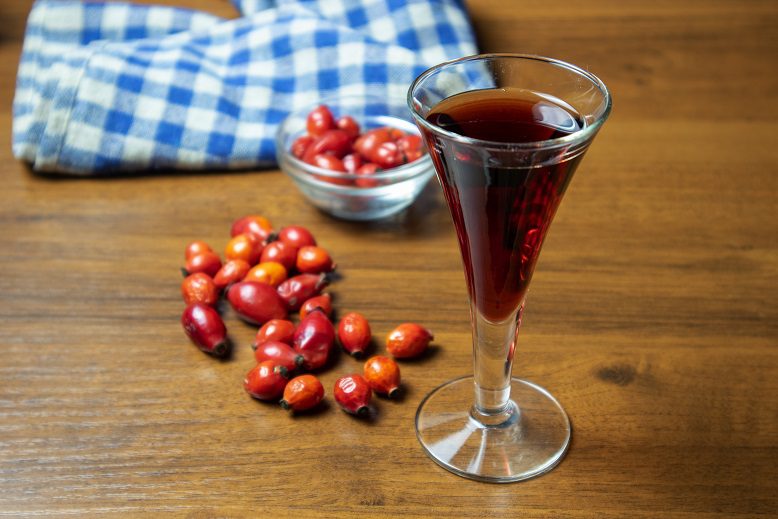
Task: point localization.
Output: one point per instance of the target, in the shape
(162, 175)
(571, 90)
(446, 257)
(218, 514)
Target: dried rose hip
(298, 289)
(322, 302)
(314, 260)
(266, 381)
(408, 340)
(231, 272)
(314, 339)
(199, 288)
(383, 375)
(354, 333)
(352, 393)
(275, 330)
(302, 393)
(256, 302)
(205, 329)
(296, 236)
(268, 272)
(205, 262)
(280, 353)
(253, 224)
(280, 252)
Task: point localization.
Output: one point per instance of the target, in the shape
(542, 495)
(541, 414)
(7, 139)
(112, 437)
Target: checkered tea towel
(120, 87)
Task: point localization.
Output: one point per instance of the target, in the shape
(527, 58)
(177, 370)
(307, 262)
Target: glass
(502, 192)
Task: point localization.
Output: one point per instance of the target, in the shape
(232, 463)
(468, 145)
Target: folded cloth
(120, 87)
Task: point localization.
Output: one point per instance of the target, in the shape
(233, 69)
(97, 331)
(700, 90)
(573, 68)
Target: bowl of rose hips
(355, 157)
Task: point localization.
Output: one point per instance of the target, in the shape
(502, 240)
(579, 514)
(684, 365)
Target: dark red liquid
(501, 213)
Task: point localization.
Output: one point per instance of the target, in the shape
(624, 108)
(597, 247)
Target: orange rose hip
(383, 375)
(302, 393)
(408, 340)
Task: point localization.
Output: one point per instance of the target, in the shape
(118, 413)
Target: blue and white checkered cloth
(120, 87)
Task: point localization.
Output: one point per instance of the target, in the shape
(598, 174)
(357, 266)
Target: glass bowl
(395, 188)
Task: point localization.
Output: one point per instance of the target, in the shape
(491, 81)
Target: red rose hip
(314, 260)
(266, 381)
(275, 330)
(280, 353)
(298, 289)
(205, 328)
(313, 339)
(296, 236)
(354, 333)
(322, 302)
(255, 302)
(353, 394)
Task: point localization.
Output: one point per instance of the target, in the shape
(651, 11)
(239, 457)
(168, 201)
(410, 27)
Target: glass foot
(526, 441)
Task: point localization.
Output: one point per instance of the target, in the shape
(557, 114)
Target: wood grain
(653, 315)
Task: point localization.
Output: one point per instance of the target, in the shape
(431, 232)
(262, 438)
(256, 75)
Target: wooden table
(653, 315)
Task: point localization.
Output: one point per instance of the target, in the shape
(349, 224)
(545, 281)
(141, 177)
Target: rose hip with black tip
(205, 328)
(353, 394)
(314, 339)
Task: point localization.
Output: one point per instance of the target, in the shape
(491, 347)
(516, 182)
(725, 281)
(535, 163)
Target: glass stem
(494, 344)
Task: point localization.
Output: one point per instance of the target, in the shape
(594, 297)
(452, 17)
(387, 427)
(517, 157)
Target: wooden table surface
(653, 314)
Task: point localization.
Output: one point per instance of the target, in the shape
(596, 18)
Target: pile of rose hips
(265, 276)
(339, 145)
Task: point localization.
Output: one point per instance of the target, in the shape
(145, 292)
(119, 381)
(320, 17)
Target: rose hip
(387, 155)
(301, 144)
(314, 338)
(365, 172)
(247, 247)
(266, 381)
(322, 302)
(383, 375)
(205, 262)
(349, 125)
(408, 340)
(313, 260)
(280, 353)
(199, 288)
(302, 393)
(279, 330)
(298, 289)
(352, 162)
(354, 333)
(231, 272)
(252, 224)
(332, 142)
(205, 329)
(296, 236)
(195, 248)
(280, 252)
(367, 143)
(268, 272)
(352, 393)
(319, 120)
(256, 302)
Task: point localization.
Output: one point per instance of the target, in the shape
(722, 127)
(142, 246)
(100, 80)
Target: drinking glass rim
(578, 136)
